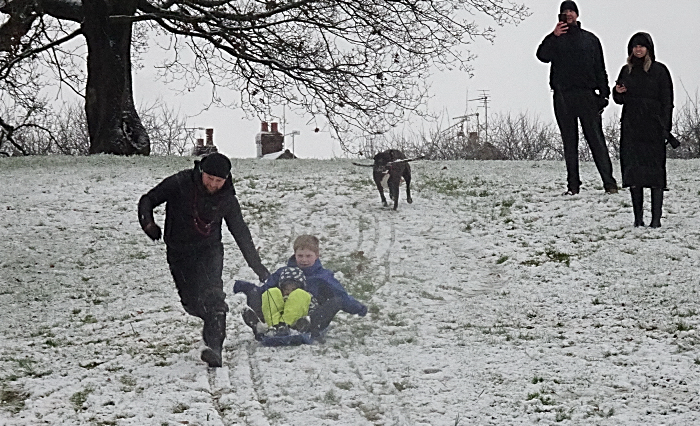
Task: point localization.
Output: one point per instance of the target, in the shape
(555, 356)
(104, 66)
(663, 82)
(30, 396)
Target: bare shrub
(611, 130)
(525, 137)
(687, 128)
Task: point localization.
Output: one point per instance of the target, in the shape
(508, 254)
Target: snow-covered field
(494, 300)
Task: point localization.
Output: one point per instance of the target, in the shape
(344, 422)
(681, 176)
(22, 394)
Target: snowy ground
(494, 300)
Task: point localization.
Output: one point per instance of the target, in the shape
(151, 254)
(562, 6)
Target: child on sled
(328, 296)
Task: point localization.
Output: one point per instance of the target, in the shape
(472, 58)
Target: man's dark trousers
(197, 275)
(569, 107)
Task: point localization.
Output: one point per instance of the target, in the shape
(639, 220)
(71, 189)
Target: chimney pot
(263, 127)
(274, 128)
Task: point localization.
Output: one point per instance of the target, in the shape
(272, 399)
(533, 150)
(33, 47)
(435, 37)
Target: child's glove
(240, 286)
(282, 329)
(363, 311)
(303, 324)
(261, 328)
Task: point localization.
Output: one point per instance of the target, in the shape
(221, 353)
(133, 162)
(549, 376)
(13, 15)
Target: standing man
(580, 84)
(196, 202)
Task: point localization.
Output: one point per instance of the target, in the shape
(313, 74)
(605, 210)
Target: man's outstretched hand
(262, 273)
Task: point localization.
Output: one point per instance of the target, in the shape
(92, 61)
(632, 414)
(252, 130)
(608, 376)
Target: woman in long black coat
(645, 90)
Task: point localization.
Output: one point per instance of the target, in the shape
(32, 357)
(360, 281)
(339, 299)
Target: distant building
(270, 143)
(201, 148)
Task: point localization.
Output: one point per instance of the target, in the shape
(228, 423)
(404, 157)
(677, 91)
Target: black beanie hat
(642, 39)
(216, 164)
(568, 5)
(293, 275)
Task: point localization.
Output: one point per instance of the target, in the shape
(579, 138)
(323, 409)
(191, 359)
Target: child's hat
(293, 274)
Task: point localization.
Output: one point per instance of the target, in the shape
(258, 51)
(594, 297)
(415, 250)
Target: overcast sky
(516, 81)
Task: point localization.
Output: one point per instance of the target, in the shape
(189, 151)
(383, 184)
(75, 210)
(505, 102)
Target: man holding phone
(580, 85)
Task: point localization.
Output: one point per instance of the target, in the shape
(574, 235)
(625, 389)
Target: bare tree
(167, 129)
(65, 131)
(359, 65)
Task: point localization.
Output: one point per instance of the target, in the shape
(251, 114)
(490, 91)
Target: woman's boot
(637, 205)
(657, 201)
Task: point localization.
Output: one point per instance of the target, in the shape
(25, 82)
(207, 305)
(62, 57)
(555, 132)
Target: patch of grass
(562, 415)
(129, 383)
(443, 185)
(373, 414)
(600, 412)
(535, 380)
(403, 385)
(424, 294)
(180, 408)
(12, 399)
(502, 259)
(597, 301)
(508, 202)
(683, 326)
(394, 320)
(79, 398)
(331, 398)
(138, 255)
(402, 341)
(89, 319)
(347, 385)
(558, 256)
(688, 313)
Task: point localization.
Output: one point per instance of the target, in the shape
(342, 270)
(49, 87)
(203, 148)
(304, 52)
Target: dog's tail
(363, 165)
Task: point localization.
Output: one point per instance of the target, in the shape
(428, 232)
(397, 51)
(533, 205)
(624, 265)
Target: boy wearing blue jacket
(328, 292)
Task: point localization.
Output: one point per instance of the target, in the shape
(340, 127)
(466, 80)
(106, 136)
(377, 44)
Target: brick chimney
(268, 141)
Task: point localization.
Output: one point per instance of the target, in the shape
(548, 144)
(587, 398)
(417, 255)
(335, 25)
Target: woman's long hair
(647, 62)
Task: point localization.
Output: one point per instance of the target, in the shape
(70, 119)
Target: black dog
(388, 169)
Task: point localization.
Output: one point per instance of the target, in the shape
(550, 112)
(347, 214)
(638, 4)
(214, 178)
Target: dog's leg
(407, 178)
(380, 187)
(394, 190)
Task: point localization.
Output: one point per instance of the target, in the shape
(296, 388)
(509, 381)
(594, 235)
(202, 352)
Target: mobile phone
(562, 17)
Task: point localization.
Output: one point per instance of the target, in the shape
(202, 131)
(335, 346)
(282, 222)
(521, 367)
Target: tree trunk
(113, 124)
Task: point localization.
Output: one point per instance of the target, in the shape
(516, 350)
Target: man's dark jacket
(577, 61)
(193, 216)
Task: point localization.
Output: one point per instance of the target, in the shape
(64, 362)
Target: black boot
(637, 205)
(657, 201)
(214, 333)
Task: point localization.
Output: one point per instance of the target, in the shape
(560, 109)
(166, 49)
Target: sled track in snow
(386, 258)
(218, 383)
